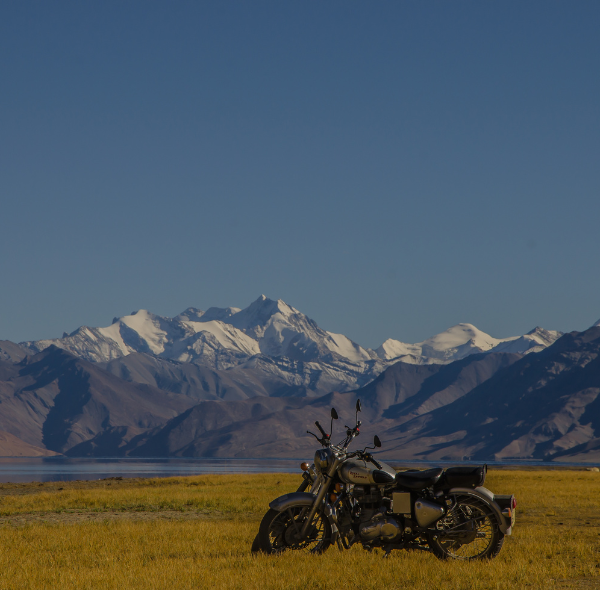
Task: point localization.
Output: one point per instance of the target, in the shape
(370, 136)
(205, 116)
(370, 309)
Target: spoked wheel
(469, 531)
(280, 531)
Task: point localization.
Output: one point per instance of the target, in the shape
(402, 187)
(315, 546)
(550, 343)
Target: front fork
(327, 479)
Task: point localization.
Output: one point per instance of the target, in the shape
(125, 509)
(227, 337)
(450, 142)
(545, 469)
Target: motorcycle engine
(380, 526)
(368, 496)
(375, 522)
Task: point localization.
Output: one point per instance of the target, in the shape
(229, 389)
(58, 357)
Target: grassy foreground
(196, 532)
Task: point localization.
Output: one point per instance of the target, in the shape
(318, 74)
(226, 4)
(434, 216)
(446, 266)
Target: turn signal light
(304, 466)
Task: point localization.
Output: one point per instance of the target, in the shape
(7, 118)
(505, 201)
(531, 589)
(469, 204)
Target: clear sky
(388, 168)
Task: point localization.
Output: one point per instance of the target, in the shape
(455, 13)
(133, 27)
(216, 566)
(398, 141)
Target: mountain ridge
(247, 382)
(223, 338)
(498, 406)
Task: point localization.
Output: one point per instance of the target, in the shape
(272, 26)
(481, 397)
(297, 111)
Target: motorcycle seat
(418, 480)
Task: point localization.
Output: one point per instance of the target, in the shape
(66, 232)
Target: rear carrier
(462, 477)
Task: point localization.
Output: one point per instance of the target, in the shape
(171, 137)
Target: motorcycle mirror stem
(358, 409)
(334, 416)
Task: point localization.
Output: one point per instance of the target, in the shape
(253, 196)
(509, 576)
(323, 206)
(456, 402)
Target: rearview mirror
(358, 406)
(334, 414)
(376, 441)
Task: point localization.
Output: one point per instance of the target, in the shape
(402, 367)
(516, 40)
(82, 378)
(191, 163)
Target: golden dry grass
(196, 533)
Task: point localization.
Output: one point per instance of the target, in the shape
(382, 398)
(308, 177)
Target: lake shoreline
(48, 469)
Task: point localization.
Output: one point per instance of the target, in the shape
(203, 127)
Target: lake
(21, 470)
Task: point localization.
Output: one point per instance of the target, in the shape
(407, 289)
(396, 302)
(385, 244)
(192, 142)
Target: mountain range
(247, 383)
(277, 342)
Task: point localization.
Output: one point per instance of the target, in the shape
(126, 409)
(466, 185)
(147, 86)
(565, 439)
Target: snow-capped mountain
(282, 330)
(268, 336)
(187, 385)
(462, 340)
(533, 341)
(267, 327)
(277, 340)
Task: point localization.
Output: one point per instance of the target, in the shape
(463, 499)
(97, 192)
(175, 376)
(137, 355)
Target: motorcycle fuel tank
(360, 472)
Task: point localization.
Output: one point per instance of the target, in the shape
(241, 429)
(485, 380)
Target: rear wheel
(280, 531)
(468, 531)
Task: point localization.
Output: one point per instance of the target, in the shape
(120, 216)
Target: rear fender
(487, 497)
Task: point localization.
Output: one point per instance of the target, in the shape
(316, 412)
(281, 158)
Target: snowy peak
(229, 336)
(282, 331)
(145, 332)
(260, 313)
(454, 343)
(544, 337)
(219, 336)
(457, 342)
(597, 324)
(279, 329)
(463, 340)
(533, 341)
(392, 349)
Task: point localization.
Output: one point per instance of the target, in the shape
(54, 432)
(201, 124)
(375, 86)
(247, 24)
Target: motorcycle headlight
(323, 459)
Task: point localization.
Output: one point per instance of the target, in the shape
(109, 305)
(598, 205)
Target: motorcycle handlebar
(325, 435)
(325, 441)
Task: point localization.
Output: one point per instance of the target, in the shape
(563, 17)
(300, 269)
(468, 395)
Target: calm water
(69, 469)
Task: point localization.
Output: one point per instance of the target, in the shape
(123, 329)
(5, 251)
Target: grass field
(196, 532)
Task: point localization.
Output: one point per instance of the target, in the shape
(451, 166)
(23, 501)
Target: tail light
(513, 503)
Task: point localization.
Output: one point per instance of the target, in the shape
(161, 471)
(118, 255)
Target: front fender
(292, 499)
(305, 499)
(486, 496)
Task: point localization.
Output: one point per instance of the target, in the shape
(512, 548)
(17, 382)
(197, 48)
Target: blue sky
(389, 168)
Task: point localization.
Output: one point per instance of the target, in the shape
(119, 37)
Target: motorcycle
(349, 498)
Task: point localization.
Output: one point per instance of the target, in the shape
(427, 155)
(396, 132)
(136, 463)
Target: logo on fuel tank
(354, 474)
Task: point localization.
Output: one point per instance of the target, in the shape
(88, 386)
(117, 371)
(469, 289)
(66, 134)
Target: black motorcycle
(351, 497)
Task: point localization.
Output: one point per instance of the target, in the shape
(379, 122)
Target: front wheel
(469, 531)
(280, 531)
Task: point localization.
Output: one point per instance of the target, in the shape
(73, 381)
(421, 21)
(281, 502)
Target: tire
(256, 545)
(276, 533)
(468, 532)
